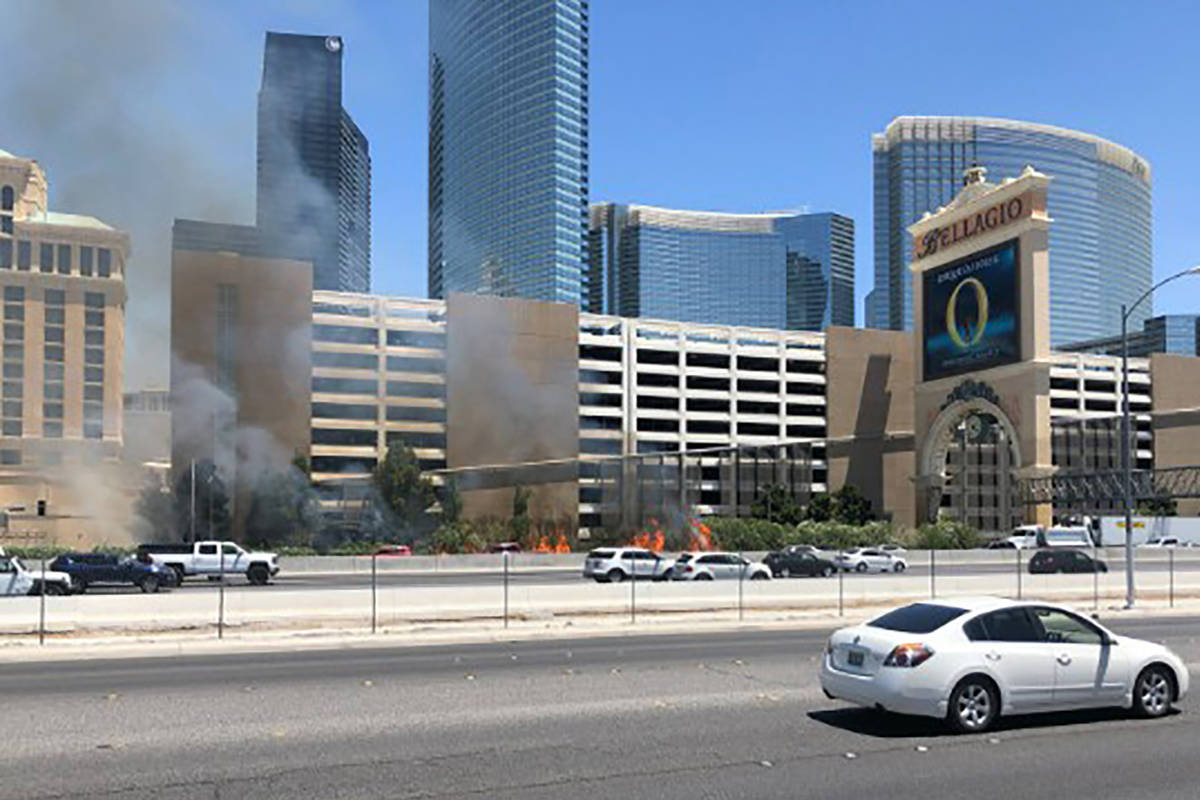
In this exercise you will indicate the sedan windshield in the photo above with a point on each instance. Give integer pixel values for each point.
(917, 618)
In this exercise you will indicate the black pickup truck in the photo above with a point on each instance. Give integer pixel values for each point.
(93, 569)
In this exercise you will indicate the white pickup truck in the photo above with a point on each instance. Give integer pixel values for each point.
(16, 579)
(201, 558)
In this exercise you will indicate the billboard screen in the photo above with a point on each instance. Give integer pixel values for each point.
(972, 313)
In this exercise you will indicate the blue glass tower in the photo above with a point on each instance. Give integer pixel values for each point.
(314, 164)
(766, 270)
(508, 147)
(1099, 199)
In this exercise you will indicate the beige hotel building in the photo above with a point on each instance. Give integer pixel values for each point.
(62, 280)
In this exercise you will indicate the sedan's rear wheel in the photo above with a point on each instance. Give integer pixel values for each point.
(785, 573)
(974, 705)
(898, 568)
(861, 567)
(1153, 692)
(704, 576)
(149, 584)
(759, 576)
(826, 572)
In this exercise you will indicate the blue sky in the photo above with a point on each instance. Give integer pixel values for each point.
(700, 104)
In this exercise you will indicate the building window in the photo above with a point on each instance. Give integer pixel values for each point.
(85, 261)
(46, 257)
(90, 299)
(10, 458)
(53, 429)
(52, 410)
(10, 427)
(64, 259)
(24, 255)
(6, 224)
(5, 254)
(104, 262)
(93, 369)
(7, 198)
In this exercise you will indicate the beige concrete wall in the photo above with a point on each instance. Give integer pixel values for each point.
(1175, 397)
(512, 388)
(264, 420)
(869, 399)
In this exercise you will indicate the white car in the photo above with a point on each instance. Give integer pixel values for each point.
(616, 564)
(869, 559)
(718, 566)
(16, 579)
(1162, 543)
(970, 660)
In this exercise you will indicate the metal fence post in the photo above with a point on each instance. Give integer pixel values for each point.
(1171, 568)
(505, 556)
(932, 572)
(1017, 553)
(741, 580)
(42, 605)
(841, 573)
(632, 591)
(221, 591)
(374, 602)
(1095, 578)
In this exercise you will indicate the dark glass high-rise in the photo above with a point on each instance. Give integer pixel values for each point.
(314, 164)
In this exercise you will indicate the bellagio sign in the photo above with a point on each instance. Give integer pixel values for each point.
(989, 219)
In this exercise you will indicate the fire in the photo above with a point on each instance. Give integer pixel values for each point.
(559, 545)
(700, 537)
(655, 540)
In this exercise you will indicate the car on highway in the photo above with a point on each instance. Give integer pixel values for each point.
(616, 564)
(98, 569)
(201, 558)
(709, 566)
(393, 550)
(797, 560)
(505, 547)
(971, 660)
(1001, 544)
(869, 559)
(1046, 562)
(17, 579)
(1161, 542)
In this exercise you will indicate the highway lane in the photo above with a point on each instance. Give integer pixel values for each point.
(715, 716)
(398, 578)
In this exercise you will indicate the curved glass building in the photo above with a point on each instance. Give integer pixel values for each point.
(1099, 199)
(791, 271)
(508, 147)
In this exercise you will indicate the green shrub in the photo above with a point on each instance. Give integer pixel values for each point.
(947, 534)
(746, 534)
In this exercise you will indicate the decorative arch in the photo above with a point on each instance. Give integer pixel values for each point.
(941, 434)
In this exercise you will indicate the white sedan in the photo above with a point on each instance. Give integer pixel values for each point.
(969, 660)
(698, 566)
(869, 559)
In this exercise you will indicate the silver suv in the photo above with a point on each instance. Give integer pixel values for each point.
(616, 564)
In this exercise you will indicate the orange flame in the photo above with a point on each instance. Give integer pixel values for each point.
(559, 545)
(651, 541)
(700, 537)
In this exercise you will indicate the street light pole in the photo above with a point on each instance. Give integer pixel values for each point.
(1126, 432)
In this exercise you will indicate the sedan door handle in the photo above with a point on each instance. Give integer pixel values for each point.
(992, 656)
(1064, 659)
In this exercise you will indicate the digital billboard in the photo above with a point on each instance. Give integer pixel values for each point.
(972, 313)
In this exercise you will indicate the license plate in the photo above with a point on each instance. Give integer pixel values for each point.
(854, 658)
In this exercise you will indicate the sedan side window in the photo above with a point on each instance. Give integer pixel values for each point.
(1063, 628)
(1010, 625)
(6, 565)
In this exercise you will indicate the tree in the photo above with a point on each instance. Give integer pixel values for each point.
(154, 513)
(284, 510)
(820, 508)
(1162, 505)
(851, 507)
(776, 503)
(402, 488)
(522, 523)
(206, 514)
(451, 503)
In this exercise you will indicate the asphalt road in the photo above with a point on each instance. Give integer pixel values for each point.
(699, 716)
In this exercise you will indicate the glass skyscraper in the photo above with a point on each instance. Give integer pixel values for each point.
(314, 164)
(508, 147)
(1178, 334)
(1099, 199)
(766, 270)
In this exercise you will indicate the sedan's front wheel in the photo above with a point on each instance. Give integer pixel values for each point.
(826, 572)
(974, 705)
(898, 568)
(1153, 692)
(861, 567)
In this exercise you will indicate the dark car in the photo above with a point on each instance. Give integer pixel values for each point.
(1064, 560)
(797, 560)
(95, 569)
